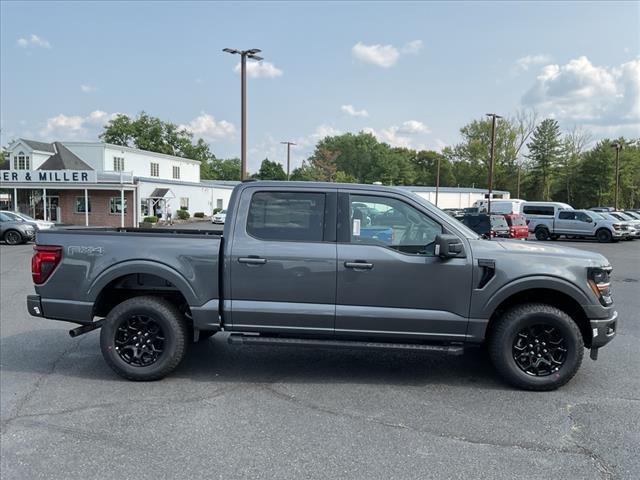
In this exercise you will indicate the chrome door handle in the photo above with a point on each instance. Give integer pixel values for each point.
(252, 260)
(358, 265)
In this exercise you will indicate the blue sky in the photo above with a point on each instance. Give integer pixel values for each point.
(411, 73)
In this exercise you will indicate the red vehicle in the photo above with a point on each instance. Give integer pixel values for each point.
(517, 225)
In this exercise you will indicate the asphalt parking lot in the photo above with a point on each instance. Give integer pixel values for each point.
(258, 412)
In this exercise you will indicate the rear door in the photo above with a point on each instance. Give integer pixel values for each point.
(283, 261)
(390, 282)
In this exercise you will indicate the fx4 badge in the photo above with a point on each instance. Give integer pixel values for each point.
(85, 250)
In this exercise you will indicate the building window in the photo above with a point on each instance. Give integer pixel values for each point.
(155, 169)
(184, 203)
(21, 162)
(115, 205)
(118, 164)
(219, 203)
(80, 205)
(176, 172)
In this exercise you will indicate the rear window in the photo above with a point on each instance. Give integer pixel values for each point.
(538, 210)
(287, 216)
(567, 215)
(516, 221)
(498, 222)
(477, 223)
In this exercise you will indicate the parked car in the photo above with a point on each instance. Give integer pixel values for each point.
(37, 224)
(295, 269)
(219, 217)
(536, 212)
(488, 226)
(583, 224)
(517, 226)
(602, 209)
(633, 214)
(457, 213)
(629, 219)
(13, 231)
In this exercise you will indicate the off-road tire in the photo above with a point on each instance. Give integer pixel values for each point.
(502, 337)
(173, 327)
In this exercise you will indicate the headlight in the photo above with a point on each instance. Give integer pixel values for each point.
(599, 279)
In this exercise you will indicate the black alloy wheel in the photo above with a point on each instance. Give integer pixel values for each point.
(139, 340)
(539, 350)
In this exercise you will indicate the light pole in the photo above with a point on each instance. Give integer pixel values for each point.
(437, 180)
(494, 117)
(244, 54)
(288, 144)
(618, 147)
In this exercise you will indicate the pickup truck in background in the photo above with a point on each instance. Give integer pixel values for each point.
(327, 265)
(580, 223)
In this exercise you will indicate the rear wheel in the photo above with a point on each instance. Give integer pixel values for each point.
(144, 338)
(542, 234)
(13, 237)
(536, 347)
(604, 236)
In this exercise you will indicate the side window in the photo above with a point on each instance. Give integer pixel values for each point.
(287, 216)
(583, 217)
(567, 215)
(392, 223)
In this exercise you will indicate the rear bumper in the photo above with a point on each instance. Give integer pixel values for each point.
(603, 330)
(65, 310)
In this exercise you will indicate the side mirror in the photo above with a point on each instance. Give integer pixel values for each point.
(449, 246)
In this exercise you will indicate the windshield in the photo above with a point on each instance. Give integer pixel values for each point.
(634, 215)
(13, 216)
(623, 216)
(26, 217)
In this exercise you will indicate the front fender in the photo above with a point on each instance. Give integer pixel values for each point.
(488, 306)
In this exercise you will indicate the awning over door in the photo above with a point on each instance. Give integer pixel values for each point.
(159, 193)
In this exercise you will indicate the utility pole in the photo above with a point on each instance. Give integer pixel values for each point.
(494, 117)
(288, 144)
(437, 180)
(618, 147)
(244, 54)
(519, 168)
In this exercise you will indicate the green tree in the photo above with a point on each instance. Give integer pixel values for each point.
(225, 169)
(270, 171)
(426, 169)
(545, 149)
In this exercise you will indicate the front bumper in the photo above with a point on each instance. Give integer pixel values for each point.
(603, 330)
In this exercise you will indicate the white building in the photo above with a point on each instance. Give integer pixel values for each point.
(457, 197)
(87, 183)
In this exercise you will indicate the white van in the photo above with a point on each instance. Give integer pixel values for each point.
(512, 205)
(537, 212)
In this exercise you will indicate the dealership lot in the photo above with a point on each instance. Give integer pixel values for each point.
(264, 412)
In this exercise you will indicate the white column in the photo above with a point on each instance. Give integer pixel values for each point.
(15, 199)
(121, 207)
(86, 208)
(44, 202)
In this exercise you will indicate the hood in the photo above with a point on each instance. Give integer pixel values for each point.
(538, 249)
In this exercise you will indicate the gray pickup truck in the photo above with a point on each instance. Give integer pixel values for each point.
(327, 265)
(581, 224)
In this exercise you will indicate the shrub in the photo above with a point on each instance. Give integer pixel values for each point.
(183, 214)
(184, 208)
(216, 210)
(150, 219)
(198, 215)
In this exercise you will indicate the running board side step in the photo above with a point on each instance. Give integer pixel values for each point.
(239, 339)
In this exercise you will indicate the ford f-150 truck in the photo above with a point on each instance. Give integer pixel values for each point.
(327, 265)
(580, 223)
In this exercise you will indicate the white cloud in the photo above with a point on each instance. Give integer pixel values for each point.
(404, 135)
(33, 40)
(75, 127)
(350, 110)
(524, 63)
(260, 70)
(207, 127)
(412, 47)
(87, 88)
(583, 93)
(414, 126)
(384, 56)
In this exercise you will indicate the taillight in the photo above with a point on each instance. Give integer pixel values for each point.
(44, 261)
(492, 233)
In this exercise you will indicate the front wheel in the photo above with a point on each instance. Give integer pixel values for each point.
(604, 236)
(12, 237)
(144, 338)
(536, 347)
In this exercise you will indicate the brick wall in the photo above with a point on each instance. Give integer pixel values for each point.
(99, 214)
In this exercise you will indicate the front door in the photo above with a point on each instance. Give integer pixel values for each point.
(391, 284)
(283, 262)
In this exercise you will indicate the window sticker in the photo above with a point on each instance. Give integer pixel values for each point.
(356, 227)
